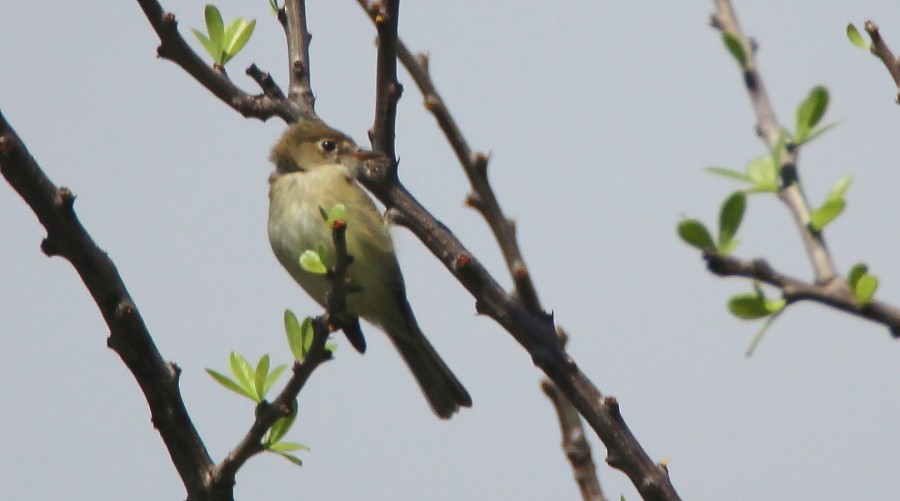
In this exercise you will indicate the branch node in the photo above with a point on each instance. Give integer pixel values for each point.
(612, 403)
(480, 163)
(396, 217)
(432, 102)
(64, 199)
(462, 262)
(422, 59)
(49, 247)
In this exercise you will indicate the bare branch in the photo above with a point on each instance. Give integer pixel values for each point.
(387, 87)
(794, 289)
(293, 18)
(128, 337)
(881, 50)
(769, 129)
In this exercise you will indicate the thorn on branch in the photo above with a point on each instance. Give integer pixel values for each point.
(462, 262)
(395, 217)
(480, 164)
(474, 201)
(612, 403)
(64, 199)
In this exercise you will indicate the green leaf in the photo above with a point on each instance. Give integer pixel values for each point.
(323, 256)
(210, 47)
(810, 112)
(855, 37)
(826, 213)
(274, 5)
(840, 188)
(763, 172)
(337, 213)
(331, 348)
(323, 213)
(281, 426)
(730, 219)
(759, 335)
(865, 288)
(237, 36)
(731, 174)
(214, 25)
(287, 447)
(244, 374)
(290, 457)
(260, 375)
(735, 47)
(228, 383)
(312, 263)
(694, 233)
(858, 270)
(748, 306)
(818, 131)
(308, 333)
(728, 247)
(774, 305)
(272, 377)
(294, 332)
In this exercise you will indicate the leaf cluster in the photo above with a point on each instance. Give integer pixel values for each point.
(222, 42)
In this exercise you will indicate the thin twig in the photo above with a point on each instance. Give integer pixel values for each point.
(267, 414)
(387, 87)
(794, 289)
(483, 199)
(575, 444)
(881, 50)
(769, 129)
(128, 336)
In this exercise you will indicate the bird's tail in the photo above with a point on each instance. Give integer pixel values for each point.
(443, 390)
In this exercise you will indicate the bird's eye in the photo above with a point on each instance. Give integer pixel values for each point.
(328, 145)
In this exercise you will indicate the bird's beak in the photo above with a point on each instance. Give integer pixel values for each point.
(367, 155)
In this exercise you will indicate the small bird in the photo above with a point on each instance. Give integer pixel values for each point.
(315, 166)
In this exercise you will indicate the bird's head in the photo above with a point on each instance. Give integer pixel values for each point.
(307, 145)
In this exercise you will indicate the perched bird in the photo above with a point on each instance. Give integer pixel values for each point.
(315, 167)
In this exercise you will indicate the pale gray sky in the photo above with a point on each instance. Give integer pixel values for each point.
(600, 117)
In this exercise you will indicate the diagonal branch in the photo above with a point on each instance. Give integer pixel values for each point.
(533, 330)
(128, 336)
(793, 289)
(483, 199)
(770, 130)
(881, 50)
